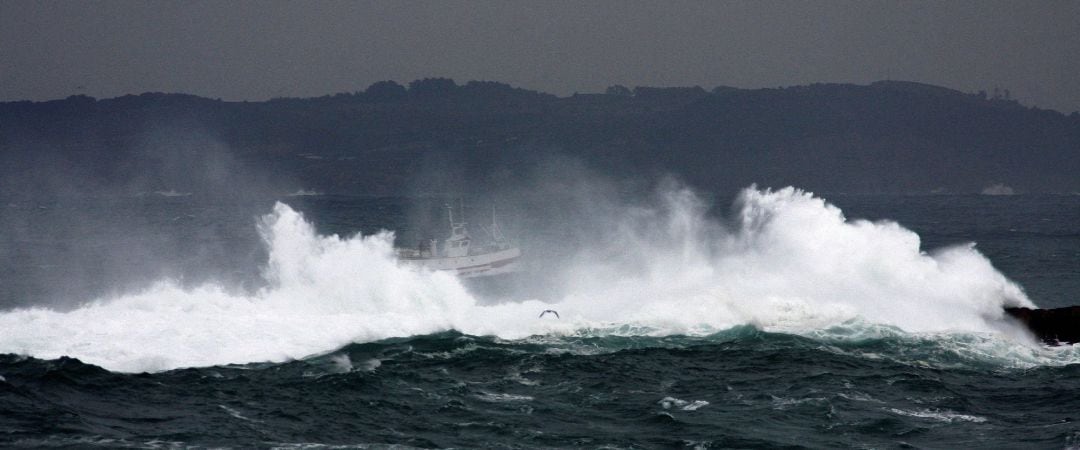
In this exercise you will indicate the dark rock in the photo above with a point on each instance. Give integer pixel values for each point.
(1053, 326)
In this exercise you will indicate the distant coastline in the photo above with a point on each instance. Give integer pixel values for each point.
(434, 135)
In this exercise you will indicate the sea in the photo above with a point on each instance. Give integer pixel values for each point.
(765, 318)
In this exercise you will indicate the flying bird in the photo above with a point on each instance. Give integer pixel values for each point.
(550, 311)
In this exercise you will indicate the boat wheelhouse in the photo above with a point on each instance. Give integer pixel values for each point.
(459, 253)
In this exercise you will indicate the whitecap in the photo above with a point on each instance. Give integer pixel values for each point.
(787, 262)
(937, 415)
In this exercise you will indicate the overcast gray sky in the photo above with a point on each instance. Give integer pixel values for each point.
(255, 50)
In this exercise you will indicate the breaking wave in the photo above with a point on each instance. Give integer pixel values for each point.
(786, 261)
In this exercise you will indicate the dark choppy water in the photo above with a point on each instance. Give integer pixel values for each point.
(740, 388)
(633, 384)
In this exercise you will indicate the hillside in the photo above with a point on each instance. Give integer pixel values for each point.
(433, 135)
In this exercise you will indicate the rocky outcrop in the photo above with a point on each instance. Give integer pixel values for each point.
(1053, 326)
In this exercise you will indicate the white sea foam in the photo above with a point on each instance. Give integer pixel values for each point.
(998, 189)
(496, 397)
(669, 402)
(236, 414)
(342, 363)
(937, 415)
(788, 261)
(325, 292)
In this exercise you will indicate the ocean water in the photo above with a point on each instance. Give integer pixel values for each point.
(777, 318)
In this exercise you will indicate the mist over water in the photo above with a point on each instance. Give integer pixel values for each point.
(782, 261)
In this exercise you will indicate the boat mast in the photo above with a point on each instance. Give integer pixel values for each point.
(496, 231)
(450, 213)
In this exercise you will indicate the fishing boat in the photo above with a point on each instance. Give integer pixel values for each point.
(460, 255)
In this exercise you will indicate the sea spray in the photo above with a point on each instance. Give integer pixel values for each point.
(793, 249)
(325, 292)
(785, 261)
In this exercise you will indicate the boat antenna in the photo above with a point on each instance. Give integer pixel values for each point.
(450, 211)
(496, 231)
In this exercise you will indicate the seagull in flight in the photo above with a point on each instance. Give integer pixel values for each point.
(550, 311)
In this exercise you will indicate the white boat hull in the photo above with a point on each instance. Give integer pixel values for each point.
(485, 264)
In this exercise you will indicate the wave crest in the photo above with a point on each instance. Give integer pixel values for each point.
(787, 262)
